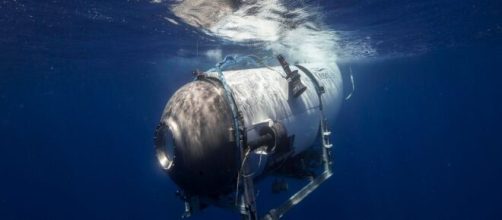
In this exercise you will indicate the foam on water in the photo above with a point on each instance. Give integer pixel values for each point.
(291, 28)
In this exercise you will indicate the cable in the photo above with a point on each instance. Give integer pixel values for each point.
(239, 174)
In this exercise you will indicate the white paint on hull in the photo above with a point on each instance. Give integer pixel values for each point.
(262, 94)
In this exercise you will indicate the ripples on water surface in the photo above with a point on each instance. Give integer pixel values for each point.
(347, 29)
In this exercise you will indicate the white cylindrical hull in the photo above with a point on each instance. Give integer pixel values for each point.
(262, 95)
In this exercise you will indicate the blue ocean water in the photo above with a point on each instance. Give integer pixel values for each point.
(83, 84)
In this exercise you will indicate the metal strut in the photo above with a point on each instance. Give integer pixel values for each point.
(248, 201)
(325, 133)
(278, 212)
(324, 129)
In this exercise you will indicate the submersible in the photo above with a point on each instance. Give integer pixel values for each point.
(222, 133)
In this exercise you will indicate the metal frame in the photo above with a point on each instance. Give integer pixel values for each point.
(245, 197)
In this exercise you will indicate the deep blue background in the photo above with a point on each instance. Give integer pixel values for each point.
(82, 86)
